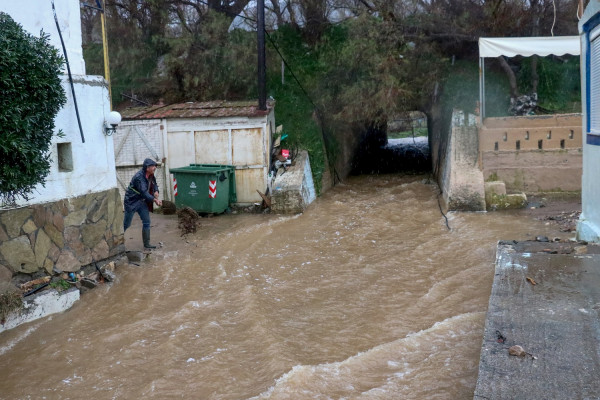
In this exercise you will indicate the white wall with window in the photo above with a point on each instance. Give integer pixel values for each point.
(588, 227)
(77, 167)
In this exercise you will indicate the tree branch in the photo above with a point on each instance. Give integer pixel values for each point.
(512, 80)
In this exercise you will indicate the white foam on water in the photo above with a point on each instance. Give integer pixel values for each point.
(12, 343)
(67, 381)
(372, 373)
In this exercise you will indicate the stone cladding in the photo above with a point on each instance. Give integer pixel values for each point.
(61, 236)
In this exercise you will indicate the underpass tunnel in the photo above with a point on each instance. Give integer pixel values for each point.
(401, 145)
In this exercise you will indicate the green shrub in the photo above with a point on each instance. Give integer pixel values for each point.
(32, 95)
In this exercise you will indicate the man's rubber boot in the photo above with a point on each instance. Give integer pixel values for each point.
(146, 238)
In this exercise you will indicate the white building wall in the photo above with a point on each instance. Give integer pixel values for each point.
(588, 228)
(93, 161)
(36, 15)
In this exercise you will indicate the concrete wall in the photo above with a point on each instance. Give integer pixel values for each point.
(532, 153)
(460, 179)
(36, 15)
(589, 224)
(294, 190)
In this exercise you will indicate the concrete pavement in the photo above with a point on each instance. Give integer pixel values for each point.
(546, 299)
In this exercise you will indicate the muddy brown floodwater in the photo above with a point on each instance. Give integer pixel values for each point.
(367, 295)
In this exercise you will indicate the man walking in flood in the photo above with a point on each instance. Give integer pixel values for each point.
(140, 196)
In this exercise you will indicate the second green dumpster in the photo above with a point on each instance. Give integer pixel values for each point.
(206, 188)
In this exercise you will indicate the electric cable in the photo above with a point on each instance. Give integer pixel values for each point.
(554, 21)
(325, 136)
(442, 211)
(69, 73)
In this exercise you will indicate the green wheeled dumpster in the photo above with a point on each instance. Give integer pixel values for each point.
(206, 188)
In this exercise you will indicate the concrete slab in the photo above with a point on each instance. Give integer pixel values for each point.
(555, 320)
(41, 305)
(294, 189)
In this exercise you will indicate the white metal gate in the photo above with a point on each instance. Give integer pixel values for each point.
(134, 142)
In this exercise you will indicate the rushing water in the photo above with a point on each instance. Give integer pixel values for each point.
(367, 295)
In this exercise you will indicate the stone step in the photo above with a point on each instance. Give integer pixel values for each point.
(496, 197)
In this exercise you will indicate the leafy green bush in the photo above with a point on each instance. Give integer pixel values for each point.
(32, 95)
(559, 88)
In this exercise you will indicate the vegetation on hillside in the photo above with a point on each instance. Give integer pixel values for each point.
(350, 65)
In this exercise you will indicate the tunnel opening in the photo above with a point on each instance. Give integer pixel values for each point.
(401, 145)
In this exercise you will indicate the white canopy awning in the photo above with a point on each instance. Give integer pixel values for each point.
(528, 46)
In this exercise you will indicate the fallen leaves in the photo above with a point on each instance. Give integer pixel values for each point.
(519, 351)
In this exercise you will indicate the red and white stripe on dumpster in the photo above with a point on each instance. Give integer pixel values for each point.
(174, 187)
(212, 189)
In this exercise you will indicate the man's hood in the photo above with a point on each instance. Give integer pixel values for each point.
(147, 163)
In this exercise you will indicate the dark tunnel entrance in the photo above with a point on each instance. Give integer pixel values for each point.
(401, 145)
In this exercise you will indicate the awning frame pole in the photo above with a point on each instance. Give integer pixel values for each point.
(482, 88)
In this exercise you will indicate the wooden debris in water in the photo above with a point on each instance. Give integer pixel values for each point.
(266, 199)
(30, 284)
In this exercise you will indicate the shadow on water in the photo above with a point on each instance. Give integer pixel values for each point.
(408, 155)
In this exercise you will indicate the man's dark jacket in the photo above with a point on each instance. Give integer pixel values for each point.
(137, 194)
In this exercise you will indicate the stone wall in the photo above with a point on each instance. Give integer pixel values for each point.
(61, 236)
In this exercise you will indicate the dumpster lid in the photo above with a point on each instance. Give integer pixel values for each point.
(203, 168)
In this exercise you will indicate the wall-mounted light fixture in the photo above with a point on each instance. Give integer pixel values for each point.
(110, 125)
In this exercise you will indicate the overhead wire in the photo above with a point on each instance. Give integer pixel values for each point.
(68, 72)
(326, 138)
(554, 21)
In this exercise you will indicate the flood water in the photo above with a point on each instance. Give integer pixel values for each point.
(367, 295)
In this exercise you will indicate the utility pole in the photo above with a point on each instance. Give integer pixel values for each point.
(105, 50)
(262, 71)
(101, 6)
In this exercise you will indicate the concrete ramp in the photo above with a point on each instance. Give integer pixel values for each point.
(546, 299)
